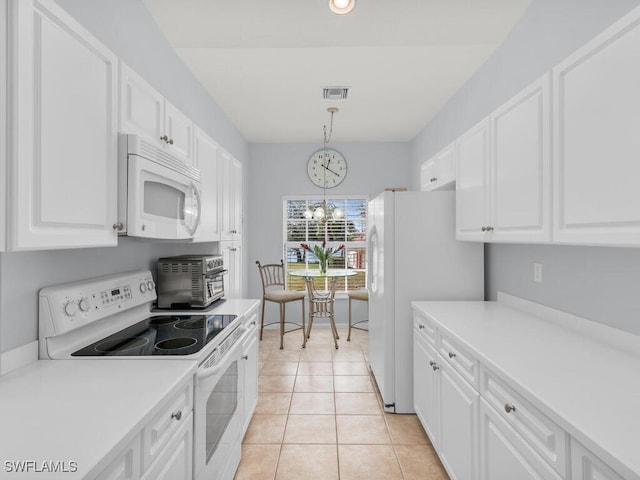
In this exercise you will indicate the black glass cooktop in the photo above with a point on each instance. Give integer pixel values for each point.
(160, 335)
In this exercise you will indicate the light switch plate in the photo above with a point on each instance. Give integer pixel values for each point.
(537, 272)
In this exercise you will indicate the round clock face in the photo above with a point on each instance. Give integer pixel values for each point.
(327, 168)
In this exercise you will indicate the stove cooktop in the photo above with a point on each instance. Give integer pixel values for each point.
(160, 335)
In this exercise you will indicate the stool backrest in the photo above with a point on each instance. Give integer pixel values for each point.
(272, 275)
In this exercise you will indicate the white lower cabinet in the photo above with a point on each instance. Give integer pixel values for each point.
(250, 368)
(175, 462)
(424, 381)
(458, 445)
(163, 448)
(586, 466)
(504, 455)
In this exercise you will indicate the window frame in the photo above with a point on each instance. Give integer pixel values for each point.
(340, 292)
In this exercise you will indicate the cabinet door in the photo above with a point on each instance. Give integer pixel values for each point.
(232, 258)
(206, 158)
(428, 175)
(586, 466)
(472, 177)
(596, 119)
(64, 148)
(231, 197)
(176, 461)
(141, 107)
(425, 392)
(179, 130)
(458, 424)
(521, 168)
(504, 455)
(250, 372)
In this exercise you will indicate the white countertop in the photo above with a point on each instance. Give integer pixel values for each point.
(583, 375)
(79, 410)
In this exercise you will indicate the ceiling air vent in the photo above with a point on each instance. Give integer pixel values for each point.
(335, 93)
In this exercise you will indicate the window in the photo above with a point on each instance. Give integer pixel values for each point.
(350, 230)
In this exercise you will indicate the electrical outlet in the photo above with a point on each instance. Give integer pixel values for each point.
(537, 272)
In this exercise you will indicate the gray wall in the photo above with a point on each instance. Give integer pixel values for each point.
(281, 169)
(129, 31)
(597, 283)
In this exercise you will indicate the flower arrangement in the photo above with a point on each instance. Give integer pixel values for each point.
(322, 253)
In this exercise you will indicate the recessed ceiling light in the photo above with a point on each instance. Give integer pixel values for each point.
(341, 7)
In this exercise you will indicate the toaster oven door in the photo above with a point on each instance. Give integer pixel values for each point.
(214, 285)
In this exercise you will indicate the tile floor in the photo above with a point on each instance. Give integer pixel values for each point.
(319, 417)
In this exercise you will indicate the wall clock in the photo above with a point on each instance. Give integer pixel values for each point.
(327, 168)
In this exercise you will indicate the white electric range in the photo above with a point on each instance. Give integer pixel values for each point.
(113, 317)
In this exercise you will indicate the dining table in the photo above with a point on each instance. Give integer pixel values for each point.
(322, 300)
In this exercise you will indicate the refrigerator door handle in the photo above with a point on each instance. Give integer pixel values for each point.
(373, 264)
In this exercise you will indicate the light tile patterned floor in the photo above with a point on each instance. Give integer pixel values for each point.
(319, 416)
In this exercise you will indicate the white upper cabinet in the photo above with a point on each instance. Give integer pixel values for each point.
(231, 197)
(521, 167)
(472, 179)
(63, 132)
(439, 171)
(207, 159)
(597, 139)
(144, 111)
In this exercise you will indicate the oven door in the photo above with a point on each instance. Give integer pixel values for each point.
(161, 202)
(218, 415)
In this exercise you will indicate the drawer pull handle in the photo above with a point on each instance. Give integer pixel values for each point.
(509, 408)
(245, 357)
(432, 363)
(435, 367)
(452, 354)
(164, 138)
(177, 415)
(420, 326)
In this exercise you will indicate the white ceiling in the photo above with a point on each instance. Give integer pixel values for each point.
(265, 61)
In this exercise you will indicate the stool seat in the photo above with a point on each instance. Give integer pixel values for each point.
(359, 295)
(362, 295)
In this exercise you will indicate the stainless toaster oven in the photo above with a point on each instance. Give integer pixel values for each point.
(190, 281)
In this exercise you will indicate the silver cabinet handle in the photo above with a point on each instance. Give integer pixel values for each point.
(164, 138)
(434, 179)
(452, 354)
(489, 229)
(435, 367)
(170, 141)
(432, 363)
(484, 229)
(420, 326)
(245, 357)
(118, 226)
(177, 415)
(509, 408)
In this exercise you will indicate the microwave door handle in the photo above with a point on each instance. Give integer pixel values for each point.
(192, 231)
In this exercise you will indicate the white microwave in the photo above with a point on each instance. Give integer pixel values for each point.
(158, 194)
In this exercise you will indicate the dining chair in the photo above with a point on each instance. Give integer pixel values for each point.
(363, 296)
(273, 290)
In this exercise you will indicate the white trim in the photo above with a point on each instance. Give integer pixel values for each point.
(18, 357)
(626, 341)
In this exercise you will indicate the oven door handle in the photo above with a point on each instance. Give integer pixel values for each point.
(204, 372)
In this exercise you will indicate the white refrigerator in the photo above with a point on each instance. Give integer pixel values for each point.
(413, 255)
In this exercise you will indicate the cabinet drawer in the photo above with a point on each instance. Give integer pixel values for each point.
(460, 359)
(544, 435)
(165, 423)
(425, 327)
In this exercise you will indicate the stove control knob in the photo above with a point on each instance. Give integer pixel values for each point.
(150, 285)
(70, 308)
(143, 287)
(84, 304)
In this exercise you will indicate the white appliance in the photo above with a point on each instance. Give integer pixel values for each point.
(112, 317)
(158, 194)
(413, 255)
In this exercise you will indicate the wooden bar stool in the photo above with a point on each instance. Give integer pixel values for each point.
(361, 295)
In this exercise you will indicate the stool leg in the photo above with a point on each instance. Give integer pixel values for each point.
(349, 334)
(304, 332)
(281, 325)
(262, 319)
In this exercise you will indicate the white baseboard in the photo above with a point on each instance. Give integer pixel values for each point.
(18, 357)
